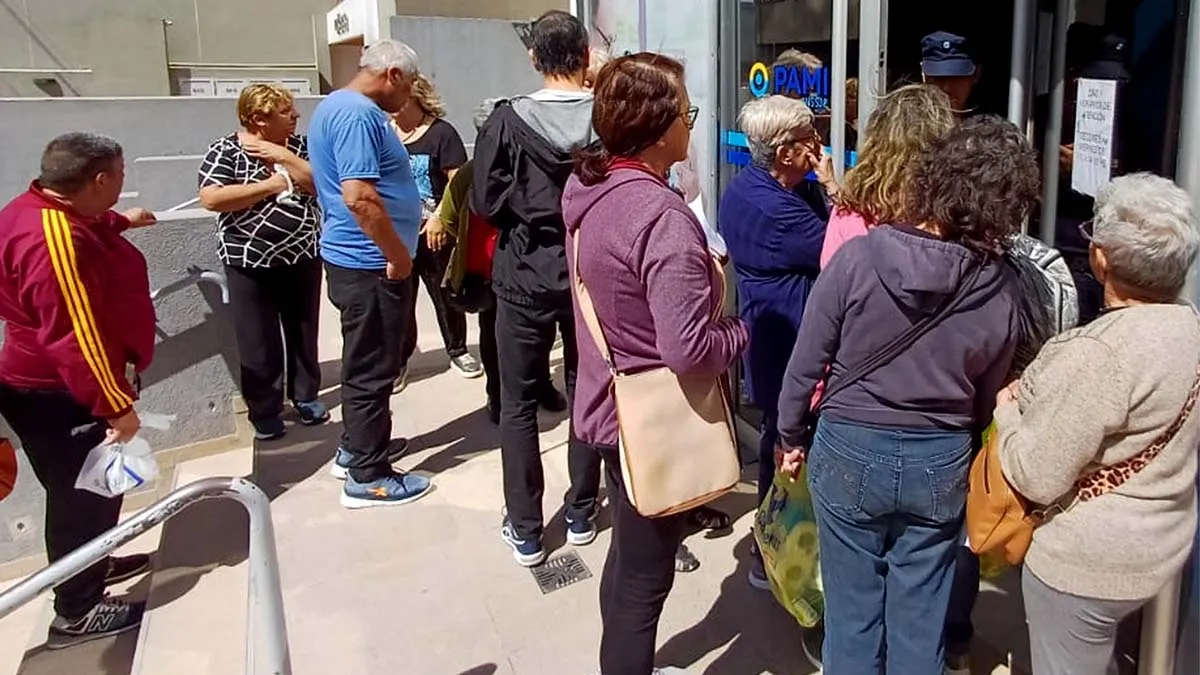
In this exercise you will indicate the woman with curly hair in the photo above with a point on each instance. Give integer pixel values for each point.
(915, 327)
(904, 125)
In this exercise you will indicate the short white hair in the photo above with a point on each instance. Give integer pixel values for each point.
(597, 59)
(387, 54)
(1146, 226)
(771, 122)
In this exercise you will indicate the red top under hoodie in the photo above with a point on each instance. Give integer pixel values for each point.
(75, 298)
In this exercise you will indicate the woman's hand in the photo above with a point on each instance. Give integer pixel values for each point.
(435, 233)
(823, 166)
(267, 151)
(1009, 393)
(789, 460)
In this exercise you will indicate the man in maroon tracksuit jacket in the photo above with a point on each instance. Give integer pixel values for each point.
(75, 300)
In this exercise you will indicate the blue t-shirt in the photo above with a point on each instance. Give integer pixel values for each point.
(349, 138)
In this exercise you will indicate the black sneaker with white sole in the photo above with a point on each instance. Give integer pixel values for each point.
(110, 617)
(467, 366)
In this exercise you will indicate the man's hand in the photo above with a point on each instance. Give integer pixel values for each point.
(122, 429)
(266, 151)
(1066, 158)
(399, 271)
(435, 233)
(139, 217)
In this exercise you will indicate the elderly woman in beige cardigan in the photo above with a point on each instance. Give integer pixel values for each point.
(1098, 397)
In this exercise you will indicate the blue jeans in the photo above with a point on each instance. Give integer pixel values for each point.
(890, 505)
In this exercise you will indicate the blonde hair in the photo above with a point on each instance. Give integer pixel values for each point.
(770, 122)
(261, 99)
(597, 59)
(426, 96)
(904, 124)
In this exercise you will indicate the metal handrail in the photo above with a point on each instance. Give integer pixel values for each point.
(266, 636)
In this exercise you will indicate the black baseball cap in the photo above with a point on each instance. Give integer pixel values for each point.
(1110, 61)
(945, 55)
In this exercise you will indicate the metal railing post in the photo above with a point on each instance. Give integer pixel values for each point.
(1022, 48)
(872, 61)
(1160, 617)
(1050, 148)
(267, 650)
(837, 85)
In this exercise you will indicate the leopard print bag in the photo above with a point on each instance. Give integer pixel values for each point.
(1109, 478)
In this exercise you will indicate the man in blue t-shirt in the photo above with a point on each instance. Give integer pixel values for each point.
(371, 215)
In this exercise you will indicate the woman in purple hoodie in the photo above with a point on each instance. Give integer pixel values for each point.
(888, 465)
(656, 290)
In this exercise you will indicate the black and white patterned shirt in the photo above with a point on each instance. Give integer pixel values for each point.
(268, 234)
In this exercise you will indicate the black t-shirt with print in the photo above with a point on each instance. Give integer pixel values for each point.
(269, 233)
(439, 150)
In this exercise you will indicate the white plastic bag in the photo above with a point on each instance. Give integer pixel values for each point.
(111, 470)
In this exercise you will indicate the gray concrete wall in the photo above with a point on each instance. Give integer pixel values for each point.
(194, 372)
(171, 131)
(468, 60)
(142, 47)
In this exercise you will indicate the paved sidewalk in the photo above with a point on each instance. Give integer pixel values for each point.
(429, 588)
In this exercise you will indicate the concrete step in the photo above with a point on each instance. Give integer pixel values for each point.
(196, 620)
(23, 633)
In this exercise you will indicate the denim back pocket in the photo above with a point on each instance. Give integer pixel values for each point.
(948, 485)
(836, 477)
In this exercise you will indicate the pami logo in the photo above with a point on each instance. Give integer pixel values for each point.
(809, 84)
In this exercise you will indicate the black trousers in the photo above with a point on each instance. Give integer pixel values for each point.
(488, 354)
(638, 575)
(57, 433)
(264, 300)
(430, 267)
(375, 315)
(525, 339)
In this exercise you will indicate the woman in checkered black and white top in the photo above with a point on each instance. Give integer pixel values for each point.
(258, 179)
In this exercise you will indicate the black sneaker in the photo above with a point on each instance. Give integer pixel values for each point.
(110, 617)
(125, 568)
(493, 411)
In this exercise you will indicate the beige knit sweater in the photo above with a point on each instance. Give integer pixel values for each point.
(1095, 396)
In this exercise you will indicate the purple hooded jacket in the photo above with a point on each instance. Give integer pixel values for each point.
(645, 261)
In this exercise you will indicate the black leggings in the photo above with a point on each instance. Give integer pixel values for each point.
(638, 575)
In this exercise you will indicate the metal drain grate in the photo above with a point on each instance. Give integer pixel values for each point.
(560, 572)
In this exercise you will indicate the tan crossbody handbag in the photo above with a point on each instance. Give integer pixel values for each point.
(677, 444)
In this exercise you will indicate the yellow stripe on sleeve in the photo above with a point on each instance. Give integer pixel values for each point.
(66, 269)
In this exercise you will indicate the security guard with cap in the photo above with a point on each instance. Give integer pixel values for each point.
(946, 63)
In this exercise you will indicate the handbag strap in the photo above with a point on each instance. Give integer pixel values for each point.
(1109, 478)
(907, 339)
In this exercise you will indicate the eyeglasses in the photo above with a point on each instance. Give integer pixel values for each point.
(690, 117)
(1087, 230)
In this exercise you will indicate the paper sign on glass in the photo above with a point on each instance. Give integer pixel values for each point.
(1095, 118)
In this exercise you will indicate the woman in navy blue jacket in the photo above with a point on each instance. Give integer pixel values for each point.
(774, 239)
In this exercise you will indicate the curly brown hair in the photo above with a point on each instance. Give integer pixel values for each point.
(977, 185)
(906, 122)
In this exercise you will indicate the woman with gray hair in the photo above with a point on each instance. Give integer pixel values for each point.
(1100, 428)
(774, 239)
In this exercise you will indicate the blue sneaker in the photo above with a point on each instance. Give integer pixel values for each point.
(311, 413)
(582, 531)
(394, 490)
(269, 429)
(527, 552)
(341, 461)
